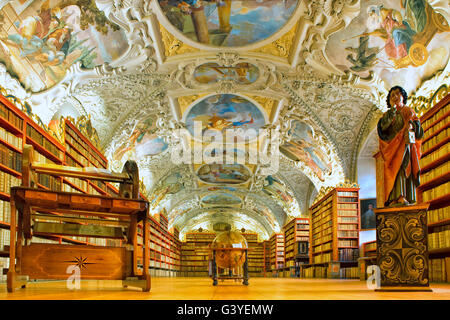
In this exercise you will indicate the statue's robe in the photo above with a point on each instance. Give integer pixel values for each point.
(401, 159)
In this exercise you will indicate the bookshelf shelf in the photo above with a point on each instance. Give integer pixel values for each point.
(435, 147)
(10, 146)
(435, 182)
(10, 171)
(435, 163)
(446, 126)
(439, 223)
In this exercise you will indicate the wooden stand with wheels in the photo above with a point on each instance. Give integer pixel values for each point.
(231, 275)
(55, 213)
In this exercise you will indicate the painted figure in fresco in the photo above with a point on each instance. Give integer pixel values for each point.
(406, 37)
(400, 134)
(396, 32)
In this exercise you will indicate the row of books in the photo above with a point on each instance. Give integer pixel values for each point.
(436, 192)
(437, 172)
(440, 238)
(322, 258)
(347, 206)
(346, 227)
(437, 154)
(7, 181)
(37, 137)
(5, 211)
(7, 136)
(438, 115)
(51, 182)
(349, 273)
(73, 138)
(75, 155)
(67, 188)
(444, 134)
(437, 215)
(163, 265)
(439, 270)
(82, 184)
(347, 194)
(5, 238)
(348, 213)
(348, 233)
(163, 273)
(323, 239)
(348, 199)
(322, 247)
(370, 246)
(348, 254)
(11, 159)
(347, 243)
(435, 128)
(11, 117)
(347, 219)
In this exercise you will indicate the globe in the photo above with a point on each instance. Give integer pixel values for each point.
(227, 258)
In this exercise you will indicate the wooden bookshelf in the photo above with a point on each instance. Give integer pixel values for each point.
(435, 187)
(334, 233)
(164, 248)
(277, 254)
(266, 252)
(296, 245)
(195, 254)
(255, 255)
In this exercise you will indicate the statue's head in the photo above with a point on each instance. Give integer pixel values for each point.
(396, 91)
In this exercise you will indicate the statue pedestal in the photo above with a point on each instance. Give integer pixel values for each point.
(402, 248)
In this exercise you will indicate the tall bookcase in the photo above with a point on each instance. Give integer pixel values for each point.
(296, 245)
(266, 252)
(255, 255)
(435, 187)
(195, 254)
(164, 248)
(334, 234)
(277, 254)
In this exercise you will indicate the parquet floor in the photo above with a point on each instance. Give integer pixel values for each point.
(202, 289)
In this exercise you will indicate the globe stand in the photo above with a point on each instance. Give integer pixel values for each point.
(230, 275)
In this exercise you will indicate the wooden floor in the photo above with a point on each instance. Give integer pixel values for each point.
(202, 288)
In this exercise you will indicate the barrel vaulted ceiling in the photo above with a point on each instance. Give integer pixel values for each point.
(312, 73)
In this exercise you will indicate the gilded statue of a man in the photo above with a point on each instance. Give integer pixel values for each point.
(400, 134)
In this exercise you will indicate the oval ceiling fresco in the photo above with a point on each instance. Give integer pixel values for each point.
(228, 23)
(221, 198)
(223, 173)
(302, 147)
(242, 73)
(221, 112)
(40, 40)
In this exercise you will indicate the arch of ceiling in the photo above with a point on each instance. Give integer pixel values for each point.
(299, 80)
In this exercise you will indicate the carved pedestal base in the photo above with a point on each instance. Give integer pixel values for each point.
(402, 252)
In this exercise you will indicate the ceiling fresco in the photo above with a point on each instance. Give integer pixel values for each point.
(41, 40)
(404, 42)
(228, 23)
(309, 77)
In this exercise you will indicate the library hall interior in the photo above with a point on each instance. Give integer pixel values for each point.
(224, 150)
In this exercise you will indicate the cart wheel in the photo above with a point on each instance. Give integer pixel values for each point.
(418, 54)
(245, 282)
(215, 282)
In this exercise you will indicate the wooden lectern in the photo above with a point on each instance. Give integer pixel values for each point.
(57, 213)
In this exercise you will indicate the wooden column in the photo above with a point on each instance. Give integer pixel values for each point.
(402, 248)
